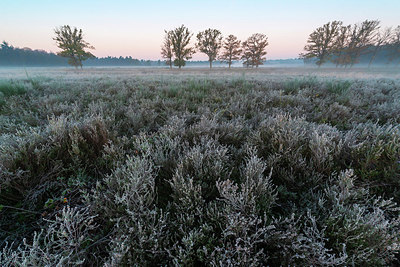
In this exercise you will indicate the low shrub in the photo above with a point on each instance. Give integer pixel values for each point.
(182, 170)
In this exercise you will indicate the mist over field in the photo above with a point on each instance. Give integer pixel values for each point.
(272, 72)
(200, 133)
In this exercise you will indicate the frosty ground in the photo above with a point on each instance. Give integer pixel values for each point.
(268, 166)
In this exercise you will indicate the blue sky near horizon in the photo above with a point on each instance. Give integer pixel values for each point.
(136, 28)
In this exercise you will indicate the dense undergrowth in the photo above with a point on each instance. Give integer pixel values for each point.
(185, 171)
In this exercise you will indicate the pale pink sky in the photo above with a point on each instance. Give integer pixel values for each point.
(136, 28)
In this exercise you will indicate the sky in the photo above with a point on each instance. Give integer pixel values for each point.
(136, 28)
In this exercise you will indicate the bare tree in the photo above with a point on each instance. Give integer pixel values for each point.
(321, 42)
(180, 38)
(254, 50)
(166, 48)
(232, 50)
(209, 42)
(382, 38)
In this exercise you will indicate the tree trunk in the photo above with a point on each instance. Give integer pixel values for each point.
(373, 57)
(338, 59)
(229, 64)
(210, 64)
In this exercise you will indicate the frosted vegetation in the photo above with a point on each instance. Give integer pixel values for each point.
(197, 169)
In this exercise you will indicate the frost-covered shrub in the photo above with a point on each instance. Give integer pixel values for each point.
(246, 208)
(199, 171)
(32, 160)
(255, 193)
(231, 132)
(376, 157)
(359, 224)
(299, 152)
(65, 242)
(126, 200)
(39, 168)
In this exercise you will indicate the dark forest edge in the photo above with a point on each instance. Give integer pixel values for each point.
(11, 56)
(15, 56)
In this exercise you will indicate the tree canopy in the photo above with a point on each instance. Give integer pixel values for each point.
(232, 50)
(180, 38)
(347, 45)
(167, 48)
(254, 50)
(321, 42)
(209, 42)
(72, 45)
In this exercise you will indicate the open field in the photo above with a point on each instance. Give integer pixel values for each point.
(269, 166)
(262, 73)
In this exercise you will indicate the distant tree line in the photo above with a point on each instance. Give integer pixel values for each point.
(14, 56)
(122, 61)
(334, 43)
(176, 49)
(347, 45)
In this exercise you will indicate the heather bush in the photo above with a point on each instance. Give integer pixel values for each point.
(358, 223)
(42, 167)
(64, 242)
(199, 171)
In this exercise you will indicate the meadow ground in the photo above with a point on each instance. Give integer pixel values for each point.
(260, 73)
(137, 166)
